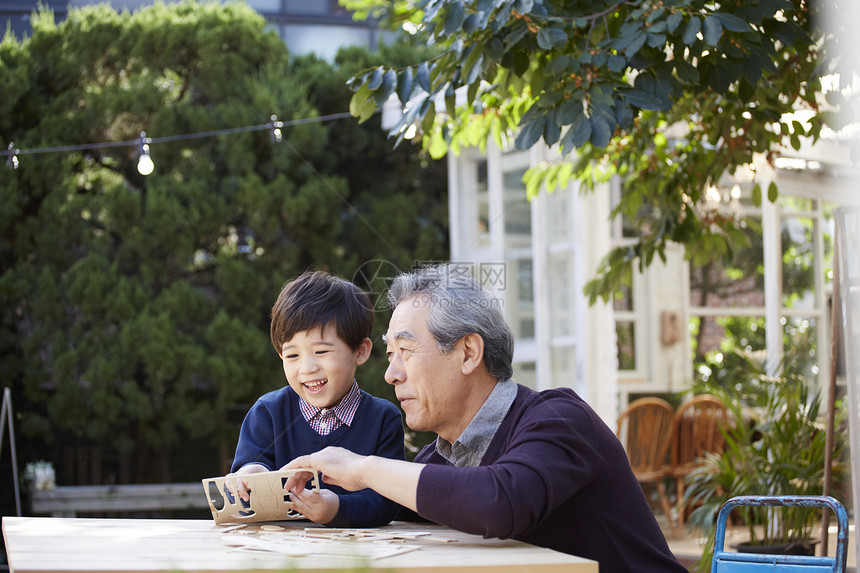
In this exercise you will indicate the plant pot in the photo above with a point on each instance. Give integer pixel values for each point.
(795, 547)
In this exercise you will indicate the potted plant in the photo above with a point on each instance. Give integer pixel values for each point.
(775, 445)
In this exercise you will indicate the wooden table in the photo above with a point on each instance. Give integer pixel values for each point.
(43, 544)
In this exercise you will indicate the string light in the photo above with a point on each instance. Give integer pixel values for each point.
(275, 126)
(277, 136)
(12, 153)
(145, 164)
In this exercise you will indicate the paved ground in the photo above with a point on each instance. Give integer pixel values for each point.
(688, 549)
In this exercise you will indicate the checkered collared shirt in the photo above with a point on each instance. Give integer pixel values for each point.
(324, 421)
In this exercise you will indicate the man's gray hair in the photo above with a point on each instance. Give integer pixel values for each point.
(458, 305)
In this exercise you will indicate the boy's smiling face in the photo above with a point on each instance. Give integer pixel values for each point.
(320, 366)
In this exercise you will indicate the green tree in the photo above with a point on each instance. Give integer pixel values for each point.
(398, 203)
(135, 309)
(669, 94)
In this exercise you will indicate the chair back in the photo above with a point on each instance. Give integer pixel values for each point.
(697, 429)
(732, 562)
(644, 429)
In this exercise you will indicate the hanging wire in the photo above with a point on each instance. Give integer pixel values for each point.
(275, 126)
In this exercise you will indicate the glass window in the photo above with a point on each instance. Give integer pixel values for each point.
(828, 227)
(801, 346)
(631, 228)
(805, 253)
(562, 295)
(736, 284)
(316, 7)
(517, 225)
(630, 224)
(519, 297)
(324, 40)
(625, 227)
(560, 214)
(798, 263)
(714, 336)
(563, 367)
(525, 374)
(726, 346)
(525, 284)
(625, 333)
(740, 198)
(473, 221)
(623, 301)
(481, 220)
(265, 5)
(517, 211)
(791, 204)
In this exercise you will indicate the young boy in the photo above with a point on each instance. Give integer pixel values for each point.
(320, 328)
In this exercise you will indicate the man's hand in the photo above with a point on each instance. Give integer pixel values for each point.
(240, 486)
(320, 506)
(395, 479)
(336, 466)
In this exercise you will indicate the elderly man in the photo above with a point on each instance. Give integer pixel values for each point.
(540, 467)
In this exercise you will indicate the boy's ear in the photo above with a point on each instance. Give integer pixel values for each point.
(362, 353)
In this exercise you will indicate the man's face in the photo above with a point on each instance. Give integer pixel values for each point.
(428, 384)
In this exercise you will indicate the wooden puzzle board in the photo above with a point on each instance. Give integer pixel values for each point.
(365, 544)
(269, 501)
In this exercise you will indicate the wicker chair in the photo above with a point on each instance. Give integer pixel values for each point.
(644, 429)
(697, 429)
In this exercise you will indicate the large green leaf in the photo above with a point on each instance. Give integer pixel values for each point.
(530, 132)
(404, 85)
(732, 22)
(691, 30)
(551, 38)
(712, 29)
(454, 17)
(422, 76)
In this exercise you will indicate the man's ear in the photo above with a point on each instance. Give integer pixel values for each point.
(362, 353)
(473, 352)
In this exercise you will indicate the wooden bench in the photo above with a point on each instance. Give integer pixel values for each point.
(67, 501)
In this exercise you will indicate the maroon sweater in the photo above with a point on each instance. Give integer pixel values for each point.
(556, 476)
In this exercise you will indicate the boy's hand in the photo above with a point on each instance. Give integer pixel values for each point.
(320, 506)
(240, 486)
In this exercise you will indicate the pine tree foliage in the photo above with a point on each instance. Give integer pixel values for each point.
(135, 308)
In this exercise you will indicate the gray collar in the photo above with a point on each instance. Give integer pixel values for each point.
(469, 449)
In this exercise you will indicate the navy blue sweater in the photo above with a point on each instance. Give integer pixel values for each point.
(556, 476)
(274, 432)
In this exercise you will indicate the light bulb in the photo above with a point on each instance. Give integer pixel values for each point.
(277, 134)
(144, 162)
(12, 156)
(736, 192)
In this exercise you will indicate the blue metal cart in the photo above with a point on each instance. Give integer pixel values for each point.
(730, 562)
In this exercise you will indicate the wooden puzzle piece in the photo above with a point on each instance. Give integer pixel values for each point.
(287, 545)
(269, 501)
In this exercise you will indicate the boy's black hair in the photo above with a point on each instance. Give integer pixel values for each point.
(318, 299)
